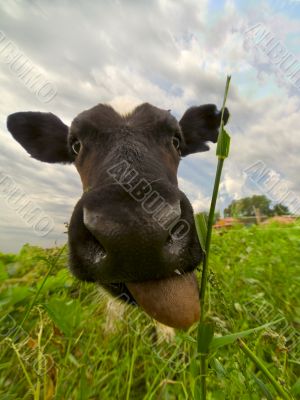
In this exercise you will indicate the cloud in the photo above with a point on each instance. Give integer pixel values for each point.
(199, 201)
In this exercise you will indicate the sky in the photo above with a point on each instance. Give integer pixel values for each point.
(170, 54)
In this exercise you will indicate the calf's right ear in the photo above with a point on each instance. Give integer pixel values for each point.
(200, 125)
(43, 135)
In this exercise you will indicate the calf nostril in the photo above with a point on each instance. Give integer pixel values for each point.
(91, 219)
(172, 246)
(99, 253)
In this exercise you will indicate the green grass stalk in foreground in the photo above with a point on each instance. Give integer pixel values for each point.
(222, 153)
(52, 264)
(279, 389)
(205, 337)
(205, 331)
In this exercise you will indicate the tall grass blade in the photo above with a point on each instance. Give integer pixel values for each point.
(296, 388)
(197, 392)
(201, 227)
(205, 336)
(223, 144)
(31, 305)
(221, 341)
(263, 387)
(259, 364)
(205, 333)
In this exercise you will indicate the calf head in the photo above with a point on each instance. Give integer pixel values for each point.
(132, 231)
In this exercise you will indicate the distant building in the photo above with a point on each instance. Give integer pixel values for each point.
(248, 221)
(226, 222)
(282, 219)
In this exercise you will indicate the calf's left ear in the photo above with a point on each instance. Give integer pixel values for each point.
(43, 135)
(200, 125)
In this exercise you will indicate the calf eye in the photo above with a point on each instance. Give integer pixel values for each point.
(176, 143)
(76, 146)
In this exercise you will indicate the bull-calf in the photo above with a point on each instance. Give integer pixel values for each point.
(132, 231)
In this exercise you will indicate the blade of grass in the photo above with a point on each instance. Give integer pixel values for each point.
(206, 332)
(263, 387)
(222, 152)
(218, 342)
(22, 366)
(279, 389)
(228, 339)
(208, 238)
(152, 389)
(31, 305)
(52, 265)
(133, 357)
(201, 227)
(223, 145)
(39, 360)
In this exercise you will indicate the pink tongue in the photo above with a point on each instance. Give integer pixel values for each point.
(171, 301)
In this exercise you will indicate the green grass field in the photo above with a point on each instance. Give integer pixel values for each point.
(58, 341)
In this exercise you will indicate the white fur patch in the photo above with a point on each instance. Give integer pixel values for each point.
(125, 104)
(164, 333)
(114, 313)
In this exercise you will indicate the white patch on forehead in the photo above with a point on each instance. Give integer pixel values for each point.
(125, 104)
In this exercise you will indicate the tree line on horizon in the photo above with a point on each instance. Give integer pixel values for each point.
(250, 206)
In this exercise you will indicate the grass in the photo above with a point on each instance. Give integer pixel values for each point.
(204, 231)
(69, 346)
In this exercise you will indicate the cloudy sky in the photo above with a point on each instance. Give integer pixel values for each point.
(171, 54)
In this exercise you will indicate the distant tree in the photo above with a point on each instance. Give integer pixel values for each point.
(280, 209)
(246, 206)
